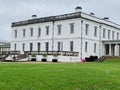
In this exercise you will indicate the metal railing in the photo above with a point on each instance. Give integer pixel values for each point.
(63, 53)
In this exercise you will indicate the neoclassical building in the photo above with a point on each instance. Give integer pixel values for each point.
(4, 47)
(74, 35)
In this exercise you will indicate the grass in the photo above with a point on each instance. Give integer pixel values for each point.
(60, 76)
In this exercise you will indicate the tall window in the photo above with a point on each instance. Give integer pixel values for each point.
(15, 33)
(71, 45)
(39, 44)
(47, 46)
(39, 31)
(72, 28)
(31, 46)
(15, 47)
(86, 46)
(23, 46)
(59, 29)
(86, 29)
(47, 30)
(108, 34)
(118, 35)
(95, 31)
(104, 32)
(60, 46)
(95, 47)
(113, 34)
(24, 32)
(31, 32)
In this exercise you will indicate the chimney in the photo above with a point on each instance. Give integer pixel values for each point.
(34, 16)
(78, 9)
(92, 14)
(106, 18)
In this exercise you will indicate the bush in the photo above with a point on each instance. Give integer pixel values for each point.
(54, 60)
(91, 58)
(44, 60)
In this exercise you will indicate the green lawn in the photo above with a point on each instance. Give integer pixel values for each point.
(60, 76)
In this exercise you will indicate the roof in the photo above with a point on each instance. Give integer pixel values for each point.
(65, 17)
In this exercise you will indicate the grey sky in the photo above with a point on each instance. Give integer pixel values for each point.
(16, 10)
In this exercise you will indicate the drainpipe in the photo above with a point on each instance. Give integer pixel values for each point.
(100, 42)
(81, 38)
(53, 34)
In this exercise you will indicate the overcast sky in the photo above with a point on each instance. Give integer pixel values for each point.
(17, 10)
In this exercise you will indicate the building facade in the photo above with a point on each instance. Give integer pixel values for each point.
(4, 47)
(77, 32)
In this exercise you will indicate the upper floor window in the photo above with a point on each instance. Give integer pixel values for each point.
(39, 31)
(86, 29)
(72, 28)
(47, 30)
(108, 34)
(59, 29)
(95, 31)
(118, 35)
(31, 32)
(15, 33)
(113, 34)
(24, 32)
(104, 32)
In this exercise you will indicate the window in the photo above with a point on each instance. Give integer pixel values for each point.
(118, 36)
(24, 31)
(31, 32)
(23, 46)
(39, 44)
(108, 34)
(104, 32)
(72, 28)
(86, 29)
(47, 46)
(60, 46)
(47, 30)
(113, 34)
(95, 31)
(39, 31)
(15, 33)
(86, 46)
(95, 45)
(31, 47)
(59, 29)
(71, 45)
(15, 46)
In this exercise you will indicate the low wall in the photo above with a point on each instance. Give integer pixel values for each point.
(60, 58)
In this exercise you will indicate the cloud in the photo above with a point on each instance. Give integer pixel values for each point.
(16, 10)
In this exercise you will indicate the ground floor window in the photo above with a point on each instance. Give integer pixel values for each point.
(86, 46)
(39, 44)
(23, 46)
(31, 46)
(47, 46)
(71, 45)
(60, 46)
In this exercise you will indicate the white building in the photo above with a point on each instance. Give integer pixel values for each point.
(78, 34)
(4, 47)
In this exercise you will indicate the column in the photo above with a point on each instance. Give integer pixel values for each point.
(110, 50)
(116, 50)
